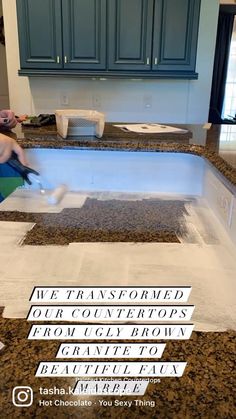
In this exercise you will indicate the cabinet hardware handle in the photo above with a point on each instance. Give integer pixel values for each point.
(155, 61)
(148, 61)
(58, 59)
(65, 59)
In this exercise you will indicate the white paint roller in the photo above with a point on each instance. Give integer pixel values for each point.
(57, 194)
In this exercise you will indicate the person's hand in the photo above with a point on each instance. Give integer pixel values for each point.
(21, 118)
(7, 146)
(7, 119)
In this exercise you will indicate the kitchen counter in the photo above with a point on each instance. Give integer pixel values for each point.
(201, 390)
(207, 384)
(212, 144)
(217, 144)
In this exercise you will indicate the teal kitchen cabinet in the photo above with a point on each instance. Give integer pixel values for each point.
(153, 35)
(130, 34)
(39, 28)
(109, 38)
(84, 34)
(56, 34)
(175, 35)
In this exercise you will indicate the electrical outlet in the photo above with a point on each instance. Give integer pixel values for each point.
(147, 101)
(223, 204)
(64, 99)
(223, 201)
(96, 101)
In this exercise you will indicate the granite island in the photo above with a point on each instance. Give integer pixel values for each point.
(210, 143)
(207, 384)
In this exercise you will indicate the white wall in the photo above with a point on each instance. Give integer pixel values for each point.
(4, 99)
(179, 101)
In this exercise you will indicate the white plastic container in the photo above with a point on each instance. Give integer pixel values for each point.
(79, 122)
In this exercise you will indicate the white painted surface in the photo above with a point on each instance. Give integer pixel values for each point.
(170, 101)
(132, 172)
(119, 171)
(31, 200)
(209, 268)
(219, 197)
(221, 200)
(233, 219)
(205, 259)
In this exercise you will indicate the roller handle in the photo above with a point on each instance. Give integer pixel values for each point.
(20, 168)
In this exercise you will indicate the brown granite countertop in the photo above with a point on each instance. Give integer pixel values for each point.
(206, 390)
(217, 144)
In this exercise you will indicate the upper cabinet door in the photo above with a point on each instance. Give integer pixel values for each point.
(84, 34)
(175, 35)
(130, 34)
(40, 33)
(127, 38)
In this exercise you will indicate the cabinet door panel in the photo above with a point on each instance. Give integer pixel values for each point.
(40, 33)
(84, 34)
(130, 34)
(175, 35)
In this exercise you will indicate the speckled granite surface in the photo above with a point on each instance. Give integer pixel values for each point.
(148, 220)
(206, 389)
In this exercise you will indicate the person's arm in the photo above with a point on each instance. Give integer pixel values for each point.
(7, 146)
(7, 119)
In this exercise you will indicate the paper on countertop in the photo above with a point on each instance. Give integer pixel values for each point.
(30, 200)
(150, 128)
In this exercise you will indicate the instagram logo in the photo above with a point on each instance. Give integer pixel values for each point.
(22, 396)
